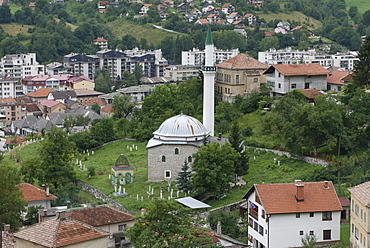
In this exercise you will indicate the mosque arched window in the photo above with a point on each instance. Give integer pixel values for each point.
(176, 151)
(163, 158)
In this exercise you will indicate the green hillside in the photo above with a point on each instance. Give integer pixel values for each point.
(363, 5)
(293, 16)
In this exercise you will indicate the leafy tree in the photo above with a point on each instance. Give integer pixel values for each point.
(353, 11)
(68, 192)
(183, 179)
(122, 106)
(32, 216)
(83, 140)
(214, 168)
(103, 82)
(103, 130)
(228, 220)
(55, 154)
(241, 166)
(11, 198)
(129, 79)
(96, 108)
(5, 15)
(165, 224)
(362, 67)
(138, 72)
(30, 169)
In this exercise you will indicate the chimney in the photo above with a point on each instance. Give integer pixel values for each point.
(300, 192)
(61, 215)
(7, 228)
(326, 184)
(68, 204)
(219, 136)
(219, 231)
(47, 191)
(45, 212)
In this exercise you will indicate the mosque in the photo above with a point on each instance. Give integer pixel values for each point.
(179, 137)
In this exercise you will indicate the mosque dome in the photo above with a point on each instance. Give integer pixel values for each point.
(122, 160)
(181, 126)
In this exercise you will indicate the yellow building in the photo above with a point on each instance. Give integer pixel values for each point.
(360, 205)
(239, 75)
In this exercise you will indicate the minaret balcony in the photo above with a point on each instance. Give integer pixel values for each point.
(209, 68)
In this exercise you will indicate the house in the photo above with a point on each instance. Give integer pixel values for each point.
(213, 11)
(360, 206)
(242, 32)
(285, 25)
(258, 3)
(101, 43)
(144, 9)
(36, 196)
(284, 78)
(311, 94)
(61, 96)
(164, 15)
(206, 7)
(202, 22)
(39, 94)
(251, 19)
(12, 110)
(345, 203)
(103, 4)
(169, 3)
(51, 106)
(337, 79)
(213, 18)
(281, 214)
(238, 24)
(239, 75)
(97, 100)
(235, 16)
(182, 8)
(227, 8)
(33, 109)
(281, 30)
(162, 6)
(223, 22)
(63, 232)
(195, 12)
(106, 111)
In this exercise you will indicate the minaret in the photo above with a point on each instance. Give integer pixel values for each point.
(209, 71)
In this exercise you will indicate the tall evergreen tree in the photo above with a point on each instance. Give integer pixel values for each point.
(362, 67)
(241, 165)
(183, 179)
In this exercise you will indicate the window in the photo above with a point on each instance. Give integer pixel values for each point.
(279, 86)
(237, 79)
(307, 85)
(327, 234)
(279, 74)
(365, 217)
(260, 231)
(255, 80)
(312, 233)
(311, 214)
(263, 214)
(163, 158)
(326, 215)
(298, 215)
(301, 233)
(356, 233)
(294, 86)
(121, 227)
(167, 174)
(357, 209)
(176, 151)
(190, 159)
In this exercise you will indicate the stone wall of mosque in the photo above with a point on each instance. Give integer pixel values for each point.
(165, 161)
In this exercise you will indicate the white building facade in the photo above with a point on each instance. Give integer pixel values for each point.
(197, 57)
(279, 217)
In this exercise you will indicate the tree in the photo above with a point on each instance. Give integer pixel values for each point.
(55, 154)
(122, 106)
(138, 72)
(5, 14)
(96, 108)
(32, 216)
(228, 220)
(11, 198)
(353, 11)
(361, 70)
(165, 224)
(183, 180)
(241, 166)
(309, 241)
(103, 130)
(214, 168)
(103, 83)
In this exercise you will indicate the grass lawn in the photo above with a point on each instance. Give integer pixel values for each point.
(344, 234)
(14, 29)
(363, 5)
(122, 27)
(294, 15)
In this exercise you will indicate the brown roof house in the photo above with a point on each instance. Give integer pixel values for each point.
(62, 231)
(39, 94)
(106, 112)
(36, 196)
(284, 78)
(239, 75)
(51, 106)
(337, 79)
(281, 214)
(311, 94)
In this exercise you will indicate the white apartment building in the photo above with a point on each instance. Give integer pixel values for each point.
(7, 87)
(281, 214)
(343, 61)
(182, 72)
(18, 66)
(197, 57)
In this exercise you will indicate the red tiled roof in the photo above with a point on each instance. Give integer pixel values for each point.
(18, 139)
(99, 216)
(203, 21)
(339, 77)
(42, 92)
(7, 100)
(242, 61)
(32, 4)
(311, 93)
(33, 193)
(344, 201)
(226, 5)
(268, 34)
(248, 15)
(32, 107)
(107, 108)
(98, 100)
(281, 197)
(100, 39)
(301, 69)
(57, 232)
(49, 103)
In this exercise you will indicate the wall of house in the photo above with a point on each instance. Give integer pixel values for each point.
(285, 228)
(95, 243)
(173, 162)
(261, 222)
(83, 85)
(45, 203)
(21, 243)
(113, 228)
(360, 226)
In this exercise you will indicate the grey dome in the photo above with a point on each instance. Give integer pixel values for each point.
(181, 126)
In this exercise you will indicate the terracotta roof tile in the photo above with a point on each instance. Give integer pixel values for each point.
(344, 201)
(49, 103)
(281, 198)
(301, 69)
(32, 107)
(43, 92)
(7, 100)
(100, 39)
(362, 193)
(18, 139)
(98, 100)
(33, 193)
(99, 216)
(311, 93)
(107, 108)
(339, 77)
(242, 61)
(58, 232)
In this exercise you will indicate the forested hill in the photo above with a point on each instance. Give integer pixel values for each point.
(53, 30)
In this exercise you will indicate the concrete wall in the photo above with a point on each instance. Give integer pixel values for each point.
(173, 162)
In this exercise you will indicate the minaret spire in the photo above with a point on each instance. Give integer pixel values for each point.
(209, 71)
